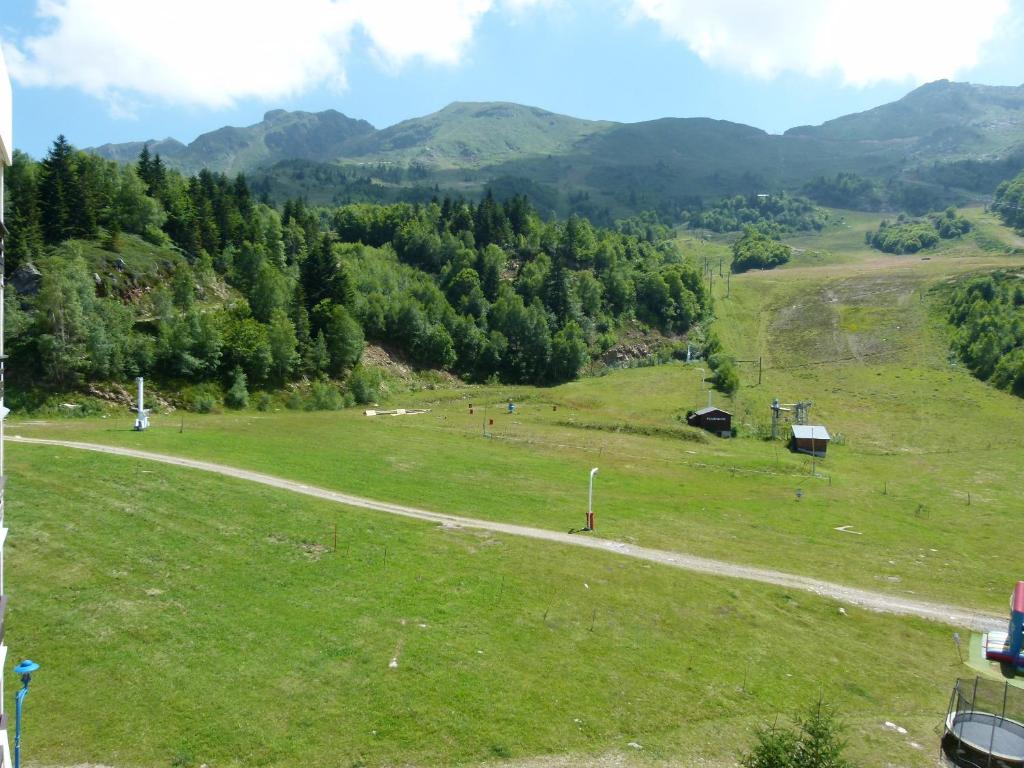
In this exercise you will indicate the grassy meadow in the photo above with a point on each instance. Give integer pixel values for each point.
(208, 619)
(184, 619)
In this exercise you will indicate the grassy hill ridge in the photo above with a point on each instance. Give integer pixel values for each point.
(955, 139)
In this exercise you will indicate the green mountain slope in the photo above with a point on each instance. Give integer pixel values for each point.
(955, 140)
(938, 118)
(474, 134)
(279, 136)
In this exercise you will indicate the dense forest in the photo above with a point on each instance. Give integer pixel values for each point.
(988, 315)
(908, 235)
(774, 215)
(1009, 202)
(252, 297)
(845, 190)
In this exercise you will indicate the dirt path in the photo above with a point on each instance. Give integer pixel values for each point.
(872, 601)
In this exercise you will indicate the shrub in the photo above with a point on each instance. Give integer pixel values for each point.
(815, 741)
(727, 378)
(201, 398)
(323, 396)
(238, 395)
(365, 384)
(755, 250)
(913, 235)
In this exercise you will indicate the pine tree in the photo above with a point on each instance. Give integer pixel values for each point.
(144, 166)
(56, 192)
(318, 271)
(24, 241)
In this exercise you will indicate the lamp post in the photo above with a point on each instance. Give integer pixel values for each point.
(590, 502)
(25, 669)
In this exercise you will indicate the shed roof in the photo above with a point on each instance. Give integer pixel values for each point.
(806, 432)
(711, 409)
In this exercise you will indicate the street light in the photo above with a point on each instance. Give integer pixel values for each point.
(590, 502)
(25, 669)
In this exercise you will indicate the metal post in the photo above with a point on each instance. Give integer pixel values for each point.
(25, 669)
(590, 501)
(142, 417)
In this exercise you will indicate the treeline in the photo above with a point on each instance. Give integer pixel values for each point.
(912, 235)
(988, 314)
(844, 190)
(258, 297)
(774, 215)
(1009, 202)
(916, 196)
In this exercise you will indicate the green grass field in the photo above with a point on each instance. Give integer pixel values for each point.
(184, 619)
(257, 647)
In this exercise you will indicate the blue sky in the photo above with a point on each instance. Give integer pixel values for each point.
(119, 70)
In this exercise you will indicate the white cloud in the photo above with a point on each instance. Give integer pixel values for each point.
(212, 53)
(864, 41)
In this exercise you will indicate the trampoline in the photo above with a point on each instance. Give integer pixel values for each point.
(980, 731)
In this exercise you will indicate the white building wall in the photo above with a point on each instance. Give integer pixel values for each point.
(6, 113)
(6, 152)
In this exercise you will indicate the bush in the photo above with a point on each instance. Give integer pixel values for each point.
(201, 398)
(238, 395)
(913, 235)
(264, 401)
(755, 250)
(815, 741)
(324, 396)
(365, 384)
(727, 378)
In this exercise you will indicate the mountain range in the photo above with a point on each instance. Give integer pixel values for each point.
(944, 140)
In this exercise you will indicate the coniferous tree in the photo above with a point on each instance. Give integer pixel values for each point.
(56, 192)
(24, 241)
(318, 270)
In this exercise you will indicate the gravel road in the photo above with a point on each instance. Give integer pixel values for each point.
(861, 598)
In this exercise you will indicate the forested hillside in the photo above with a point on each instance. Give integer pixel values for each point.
(1009, 202)
(988, 314)
(241, 295)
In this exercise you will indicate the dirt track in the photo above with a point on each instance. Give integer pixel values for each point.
(872, 601)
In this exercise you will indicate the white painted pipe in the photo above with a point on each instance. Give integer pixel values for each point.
(590, 500)
(141, 419)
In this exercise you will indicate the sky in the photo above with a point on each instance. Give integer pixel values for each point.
(121, 70)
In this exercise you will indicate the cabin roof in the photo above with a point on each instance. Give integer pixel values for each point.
(808, 432)
(711, 409)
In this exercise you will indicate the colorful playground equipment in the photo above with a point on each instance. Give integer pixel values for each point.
(984, 726)
(1005, 647)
